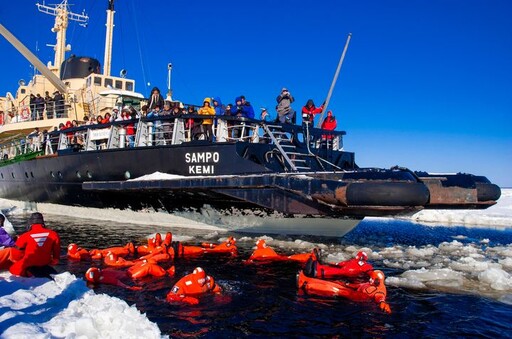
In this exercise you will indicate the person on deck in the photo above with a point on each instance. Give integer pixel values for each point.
(40, 247)
(285, 112)
(206, 109)
(247, 108)
(218, 106)
(189, 288)
(156, 99)
(309, 110)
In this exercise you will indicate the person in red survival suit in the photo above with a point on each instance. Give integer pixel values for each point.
(189, 288)
(373, 290)
(108, 277)
(40, 246)
(351, 268)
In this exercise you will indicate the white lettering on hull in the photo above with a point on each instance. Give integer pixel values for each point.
(201, 169)
(204, 159)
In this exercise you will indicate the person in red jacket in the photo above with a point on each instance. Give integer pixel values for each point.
(40, 247)
(309, 110)
(189, 288)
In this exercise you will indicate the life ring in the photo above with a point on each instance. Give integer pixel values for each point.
(24, 113)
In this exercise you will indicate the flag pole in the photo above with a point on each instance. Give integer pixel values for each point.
(334, 80)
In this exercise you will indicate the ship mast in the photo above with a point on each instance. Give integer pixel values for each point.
(62, 16)
(107, 61)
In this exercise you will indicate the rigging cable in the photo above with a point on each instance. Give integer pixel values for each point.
(137, 35)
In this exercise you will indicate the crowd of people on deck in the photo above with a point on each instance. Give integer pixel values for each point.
(197, 129)
(35, 252)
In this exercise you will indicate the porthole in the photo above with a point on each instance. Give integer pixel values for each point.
(127, 175)
(59, 174)
(89, 175)
(12, 173)
(52, 174)
(32, 174)
(2, 175)
(26, 175)
(78, 174)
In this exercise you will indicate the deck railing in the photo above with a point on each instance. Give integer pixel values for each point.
(169, 130)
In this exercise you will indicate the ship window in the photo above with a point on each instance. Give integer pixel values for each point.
(32, 174)
(108, 82)
(129, 86)
(127, 175)
(12, 173)
(119, 84)
(2, 175)
(89, 175)
(26, 175)
(78, 174)
(23, 91)
(88, 82)
(60, 174)
(52, 174)
(97, 81)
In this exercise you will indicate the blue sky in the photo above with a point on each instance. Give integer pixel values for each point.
(426, 84)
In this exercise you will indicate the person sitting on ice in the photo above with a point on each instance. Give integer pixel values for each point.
(265, 253)
(192, 286)
(351, 268)
(373, 290)
(6, 243)
(109, 277)
(77, 253)
(40, 249)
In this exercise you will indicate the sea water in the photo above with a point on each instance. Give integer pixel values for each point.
(442, 281)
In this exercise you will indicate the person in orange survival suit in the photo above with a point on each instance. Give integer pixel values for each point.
(108, 277)
(265, 253)
(122, 251)
(149, 267)
(77, 253)
(40, 247)
(189, 288)
(373, 290)
(351, 268)
(229, 246)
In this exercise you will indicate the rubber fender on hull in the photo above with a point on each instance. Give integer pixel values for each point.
(487, 191)
(387, 194)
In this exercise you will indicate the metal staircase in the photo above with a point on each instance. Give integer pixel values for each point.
(284, 143)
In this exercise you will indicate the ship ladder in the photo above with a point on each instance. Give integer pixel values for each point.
(283, 142)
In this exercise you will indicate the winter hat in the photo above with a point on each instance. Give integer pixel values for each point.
(36, 218)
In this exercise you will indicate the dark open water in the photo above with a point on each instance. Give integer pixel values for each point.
(262, 300)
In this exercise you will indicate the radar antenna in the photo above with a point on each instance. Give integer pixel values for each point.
(62, 16)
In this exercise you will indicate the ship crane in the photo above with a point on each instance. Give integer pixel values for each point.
(62, 16)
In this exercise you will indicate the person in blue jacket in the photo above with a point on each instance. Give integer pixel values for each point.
(247, 108)
(218, 107)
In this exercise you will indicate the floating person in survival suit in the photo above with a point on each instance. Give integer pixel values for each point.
(112, 259)
(108, 277)
(77, 253)
(121, 251)
(40, 248)
(351, 268)
(229, 246)
(149, 267)
(266, 253)
(189, 288)
(374, 290)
